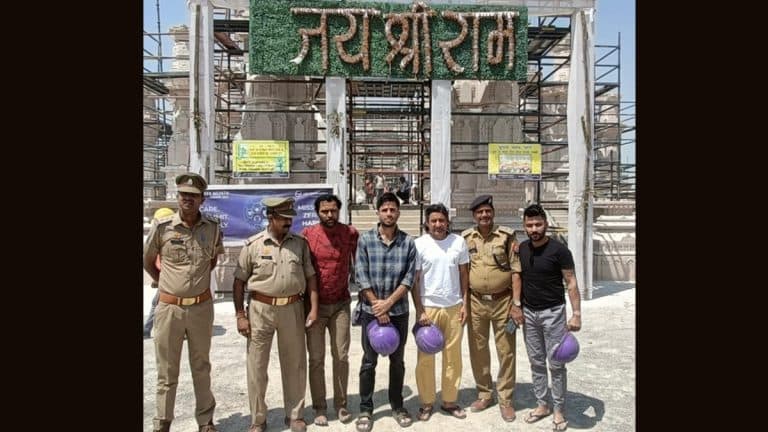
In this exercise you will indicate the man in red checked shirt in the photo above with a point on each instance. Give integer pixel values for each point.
(333, 246)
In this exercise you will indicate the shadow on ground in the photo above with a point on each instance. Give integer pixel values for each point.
(609, 288)
(578, 409)
(577, 406)
(219, 330)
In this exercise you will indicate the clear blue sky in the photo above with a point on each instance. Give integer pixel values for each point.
(612, 17)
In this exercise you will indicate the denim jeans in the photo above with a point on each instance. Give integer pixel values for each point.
(542, 330)
(396, 366)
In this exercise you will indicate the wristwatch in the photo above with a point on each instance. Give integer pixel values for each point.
(516, 302)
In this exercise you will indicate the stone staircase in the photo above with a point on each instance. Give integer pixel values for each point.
(364, 218)
(558, 216)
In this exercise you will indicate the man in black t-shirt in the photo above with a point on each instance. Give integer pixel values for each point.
(545, 263)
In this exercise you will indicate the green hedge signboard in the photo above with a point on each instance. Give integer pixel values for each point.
(418, 40)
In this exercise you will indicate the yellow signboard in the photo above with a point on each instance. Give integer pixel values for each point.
(514, 161)
(260, 158)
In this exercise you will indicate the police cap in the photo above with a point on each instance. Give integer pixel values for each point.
(481, 200)
(281, 206)
(191, 183)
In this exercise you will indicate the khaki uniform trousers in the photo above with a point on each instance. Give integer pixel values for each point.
(447, 320)
(334, 317)
(172, 322)
(288, 322)
(493, 313)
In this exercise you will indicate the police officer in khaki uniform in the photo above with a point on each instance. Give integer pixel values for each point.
(494, 284)
(276, 267)
(188, 243)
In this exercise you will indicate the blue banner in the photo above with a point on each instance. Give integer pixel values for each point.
(242, 214)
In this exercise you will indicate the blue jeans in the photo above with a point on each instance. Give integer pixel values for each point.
(396, 366)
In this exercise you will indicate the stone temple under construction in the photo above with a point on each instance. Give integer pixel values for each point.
(343, 130)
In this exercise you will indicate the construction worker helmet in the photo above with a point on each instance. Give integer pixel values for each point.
(567, 349)
(162, 212)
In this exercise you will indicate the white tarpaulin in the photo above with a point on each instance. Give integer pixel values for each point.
(201, 93)
(581, 86)
(336, 133)
(440, 143)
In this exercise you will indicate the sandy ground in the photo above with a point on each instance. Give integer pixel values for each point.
(601, 381)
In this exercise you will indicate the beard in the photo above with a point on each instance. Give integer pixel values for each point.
(389, 223)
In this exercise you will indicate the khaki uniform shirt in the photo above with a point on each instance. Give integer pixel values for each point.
(276, 270)
(185, 253)
(486, 276)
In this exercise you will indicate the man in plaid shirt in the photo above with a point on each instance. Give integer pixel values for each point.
(385, 265)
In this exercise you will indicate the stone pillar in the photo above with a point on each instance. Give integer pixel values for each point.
(178, 146)
(268, 96)
(180, 50)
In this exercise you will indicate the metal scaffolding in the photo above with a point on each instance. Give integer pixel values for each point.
(389, 131)
(543, 106)
(156, 128)
(614, 127)
(389, 120)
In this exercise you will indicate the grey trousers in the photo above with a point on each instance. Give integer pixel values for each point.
(542, 330)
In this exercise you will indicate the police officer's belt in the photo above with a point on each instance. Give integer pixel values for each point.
(276, 301)
(494, 296)
(182, 301)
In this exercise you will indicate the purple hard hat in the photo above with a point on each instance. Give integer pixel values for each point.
(383, 338)
(567, 349)
(429, 338)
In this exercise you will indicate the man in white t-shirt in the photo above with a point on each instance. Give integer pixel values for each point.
(440, 295)
(378, 185)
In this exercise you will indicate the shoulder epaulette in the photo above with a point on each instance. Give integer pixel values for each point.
(467, 232)
(253, 238)
(299, 236)
(166, 219)
(213, 219)
(506, 230)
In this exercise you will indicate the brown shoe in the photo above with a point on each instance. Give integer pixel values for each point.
(508, 413)
(480, 404)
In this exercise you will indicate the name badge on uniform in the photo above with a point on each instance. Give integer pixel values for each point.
(177, 241)
(472, 247)
(266, 257)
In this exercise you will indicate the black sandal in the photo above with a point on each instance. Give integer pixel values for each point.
(363, 423)
(403, 418)
(425, 413)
